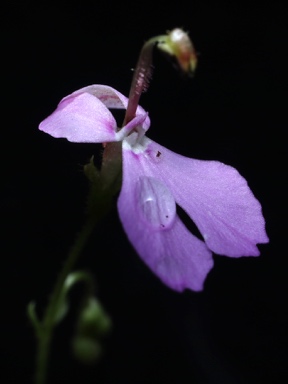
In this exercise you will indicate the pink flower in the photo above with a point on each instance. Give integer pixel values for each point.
(155, 179)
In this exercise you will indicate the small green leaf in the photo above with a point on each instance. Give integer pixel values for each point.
(31, 312)
(70, 281)
(91, 171)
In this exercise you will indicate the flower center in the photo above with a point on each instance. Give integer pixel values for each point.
(156, 203)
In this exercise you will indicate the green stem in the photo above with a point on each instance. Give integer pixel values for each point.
(48, 324)
(103, 187)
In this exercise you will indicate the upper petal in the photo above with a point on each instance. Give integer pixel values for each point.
(108, 95)
(84, 116)
(215, 196)
(112, 99)
(147, 211)
(81, 118)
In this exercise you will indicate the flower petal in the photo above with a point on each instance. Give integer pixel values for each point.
(81, 118)
(109, 96)
(136, 123)
(84, 117)
(147, 211)
(215, 196)
(112, 99)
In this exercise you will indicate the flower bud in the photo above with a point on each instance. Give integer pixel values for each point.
(179, 45)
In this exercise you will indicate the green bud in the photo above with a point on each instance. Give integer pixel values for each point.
(91, 171)
(93, 324)
(93, 320)
(86, 350)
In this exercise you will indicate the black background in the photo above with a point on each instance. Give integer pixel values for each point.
(235, 331)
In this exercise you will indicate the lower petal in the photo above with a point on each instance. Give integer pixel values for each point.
(177, 257)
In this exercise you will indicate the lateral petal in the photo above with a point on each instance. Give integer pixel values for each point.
(215, 196)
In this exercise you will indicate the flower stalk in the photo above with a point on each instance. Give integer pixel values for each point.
(176, 44)
(47, 325)
(103, 187)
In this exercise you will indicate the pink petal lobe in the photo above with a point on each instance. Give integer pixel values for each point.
(215, 196)
(147, 211)
(135, 124)
(81, 118)
(111, 98)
